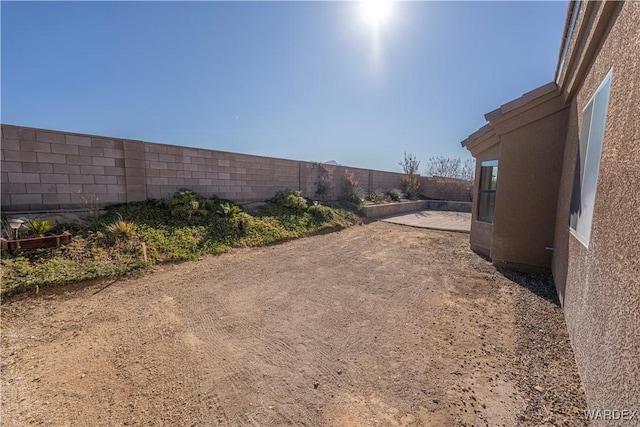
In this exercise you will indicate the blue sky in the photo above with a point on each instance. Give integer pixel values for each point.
(300, 80)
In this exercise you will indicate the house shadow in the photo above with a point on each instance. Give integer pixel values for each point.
(540, 284)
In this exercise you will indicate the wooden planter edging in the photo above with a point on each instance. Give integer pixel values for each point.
(36, 242)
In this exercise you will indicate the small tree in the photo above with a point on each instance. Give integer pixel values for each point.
(411, 176)
(323, 185)
(468, 171)
(450, 173)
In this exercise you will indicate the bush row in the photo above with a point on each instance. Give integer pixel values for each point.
(130, 237)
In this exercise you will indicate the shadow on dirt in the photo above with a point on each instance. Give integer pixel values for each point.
(539, 284)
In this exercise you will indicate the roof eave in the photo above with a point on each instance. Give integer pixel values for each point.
(524, 101)
(565, 37)
(477, 134)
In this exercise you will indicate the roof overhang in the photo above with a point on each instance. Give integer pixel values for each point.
(531, 106)
(586, 27)
(481, 140)
(523, 103)
(569, 22)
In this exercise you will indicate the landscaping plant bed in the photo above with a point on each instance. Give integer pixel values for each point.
(33, 243)
(130, 238)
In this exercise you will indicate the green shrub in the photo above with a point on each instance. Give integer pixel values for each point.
(166, 212)
(95, 253)
(395, 194)
(186, 204)
(150, 211)
(229, 210)
(376, 196)
(353, 195)
(322, 213)
(411, 177)
(83, 259)
(122, 229)
(38, 227)
(411, 187)
(289, 199)
(173, 243)
(332, 217)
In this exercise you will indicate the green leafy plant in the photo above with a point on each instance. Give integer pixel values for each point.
(130, 237)
(353, 195)
(324, 214)
(122, 229)
(289, 199)
(376, 196)
(5, 230)
(186, 204)
(395, 194)
(229, 210)
(38, 227)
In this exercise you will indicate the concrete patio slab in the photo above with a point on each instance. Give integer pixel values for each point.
(435, 220)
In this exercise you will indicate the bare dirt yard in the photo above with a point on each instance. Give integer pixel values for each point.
(379, 325)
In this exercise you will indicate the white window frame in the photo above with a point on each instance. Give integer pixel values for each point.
(584, 219)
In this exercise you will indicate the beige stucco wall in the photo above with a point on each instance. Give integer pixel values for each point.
(561, 235)
(601, 287)
(527, 137)
(480, 237)
(529, 175)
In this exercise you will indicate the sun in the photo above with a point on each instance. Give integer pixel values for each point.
(376, 12)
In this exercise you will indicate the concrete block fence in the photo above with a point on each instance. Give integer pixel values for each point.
(48, 170)
(446, 189)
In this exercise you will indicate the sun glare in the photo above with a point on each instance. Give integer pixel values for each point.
(376, 12)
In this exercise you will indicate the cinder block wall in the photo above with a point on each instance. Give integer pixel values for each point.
(368, 179)
(45, 169)
(446, 189)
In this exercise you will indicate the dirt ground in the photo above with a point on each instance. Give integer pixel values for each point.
(378, 325)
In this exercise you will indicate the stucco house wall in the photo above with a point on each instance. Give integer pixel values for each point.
(600, 285)
(529, 173)
(527, 137)
(598, 281)
(481, 231)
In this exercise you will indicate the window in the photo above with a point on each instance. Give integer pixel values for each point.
(585, 178)
(487, 190)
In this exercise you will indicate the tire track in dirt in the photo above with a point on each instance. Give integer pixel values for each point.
(223, 331)
(280, 352)
(375, 325)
